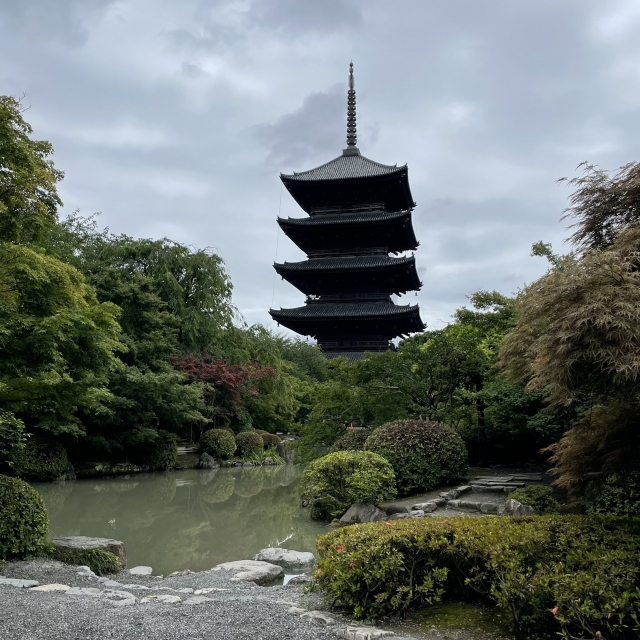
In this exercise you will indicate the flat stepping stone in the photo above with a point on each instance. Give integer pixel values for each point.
(363, 633)
(198, 600)
(54, 586)
(18, 583)
(287, 559)
(141, 571)
(77, 544)
(321, 618)
(252, 571)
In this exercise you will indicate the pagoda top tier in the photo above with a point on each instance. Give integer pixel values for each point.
(350, 179)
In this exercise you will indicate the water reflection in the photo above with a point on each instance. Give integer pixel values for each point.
(191, 519)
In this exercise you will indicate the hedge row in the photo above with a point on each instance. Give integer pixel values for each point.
(571, 575)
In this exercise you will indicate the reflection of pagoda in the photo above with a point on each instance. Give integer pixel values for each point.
(359, 213)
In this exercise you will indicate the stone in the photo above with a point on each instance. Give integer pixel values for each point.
(185, 590)
(296, 611)
(86, 571)
(252, 571)
(515, 508)
(119, 598)
(76, 544)
(469, 504)
(488, 507)
(20, 584)
(84, 591)
(455, 504)
(70, 472)
(363, 633)
(167, 599)
(321, 618)
(298, 580)
(268, 460)
(54, 586)
(360, 512)
(141, 571)
(427, 507)
(111, 584)
(287, 559)
(399, 516)
(463, 489)
(207, 462)
(197, 600)
(439, 501)
(396, 508)
(416, 513)
(186, 572)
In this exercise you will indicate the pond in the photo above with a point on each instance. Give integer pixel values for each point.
(191, 519)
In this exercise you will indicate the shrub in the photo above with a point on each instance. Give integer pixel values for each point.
(587, 567)
(422, 454)
(270, 440)
(39, 459)
(249, 444)
(339, 479)
(220, 490)
(539, 497)
(161, 453)
(351, 440)
(24, 523)
(218, 443)
(619, 495)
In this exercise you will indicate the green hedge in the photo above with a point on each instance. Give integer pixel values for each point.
(24, 524)
(39, 459)
(351, 440)
(618, 495)
(158, 454)
(539, 497)
(339, 479)
(423, 454)
(249, 444)
(218, 443)
(571, 575)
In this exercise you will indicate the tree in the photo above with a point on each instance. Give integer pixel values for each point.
(28, 178)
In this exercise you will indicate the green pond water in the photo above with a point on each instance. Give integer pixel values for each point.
(190, 519)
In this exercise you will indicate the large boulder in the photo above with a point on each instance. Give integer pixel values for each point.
(252, 571)
(360, 512)
(207, 462)
(77, 544)
(515, 508)
(294, 560)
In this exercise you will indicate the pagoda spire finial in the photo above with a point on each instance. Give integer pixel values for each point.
(352, 138)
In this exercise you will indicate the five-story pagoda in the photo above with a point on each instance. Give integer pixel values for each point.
(359, 213)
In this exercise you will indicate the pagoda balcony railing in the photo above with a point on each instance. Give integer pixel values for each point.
(348, 208)
(347, 253)
(349, 297)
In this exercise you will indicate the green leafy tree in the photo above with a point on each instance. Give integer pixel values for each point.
(28, 178)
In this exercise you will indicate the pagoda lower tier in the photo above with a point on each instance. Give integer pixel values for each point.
(380, 273)
(324, 234)
(351, 326)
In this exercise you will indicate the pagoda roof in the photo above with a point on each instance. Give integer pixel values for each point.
(351, 179)
(344, 218)
(345, 310)
(388, 320)
(346, 166)
(362, 262)
(352, 230)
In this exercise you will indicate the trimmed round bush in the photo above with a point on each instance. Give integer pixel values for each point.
(423, 454)
(24, 523)
(270, 440)
(339, 479)
(351, 440)
(218, 443)
(539, 497)
(39, 459)
(158, 454)
(249, 444)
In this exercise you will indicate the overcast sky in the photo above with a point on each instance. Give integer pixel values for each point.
(175, 117)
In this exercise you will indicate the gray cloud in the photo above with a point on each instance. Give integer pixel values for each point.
(176, 118)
